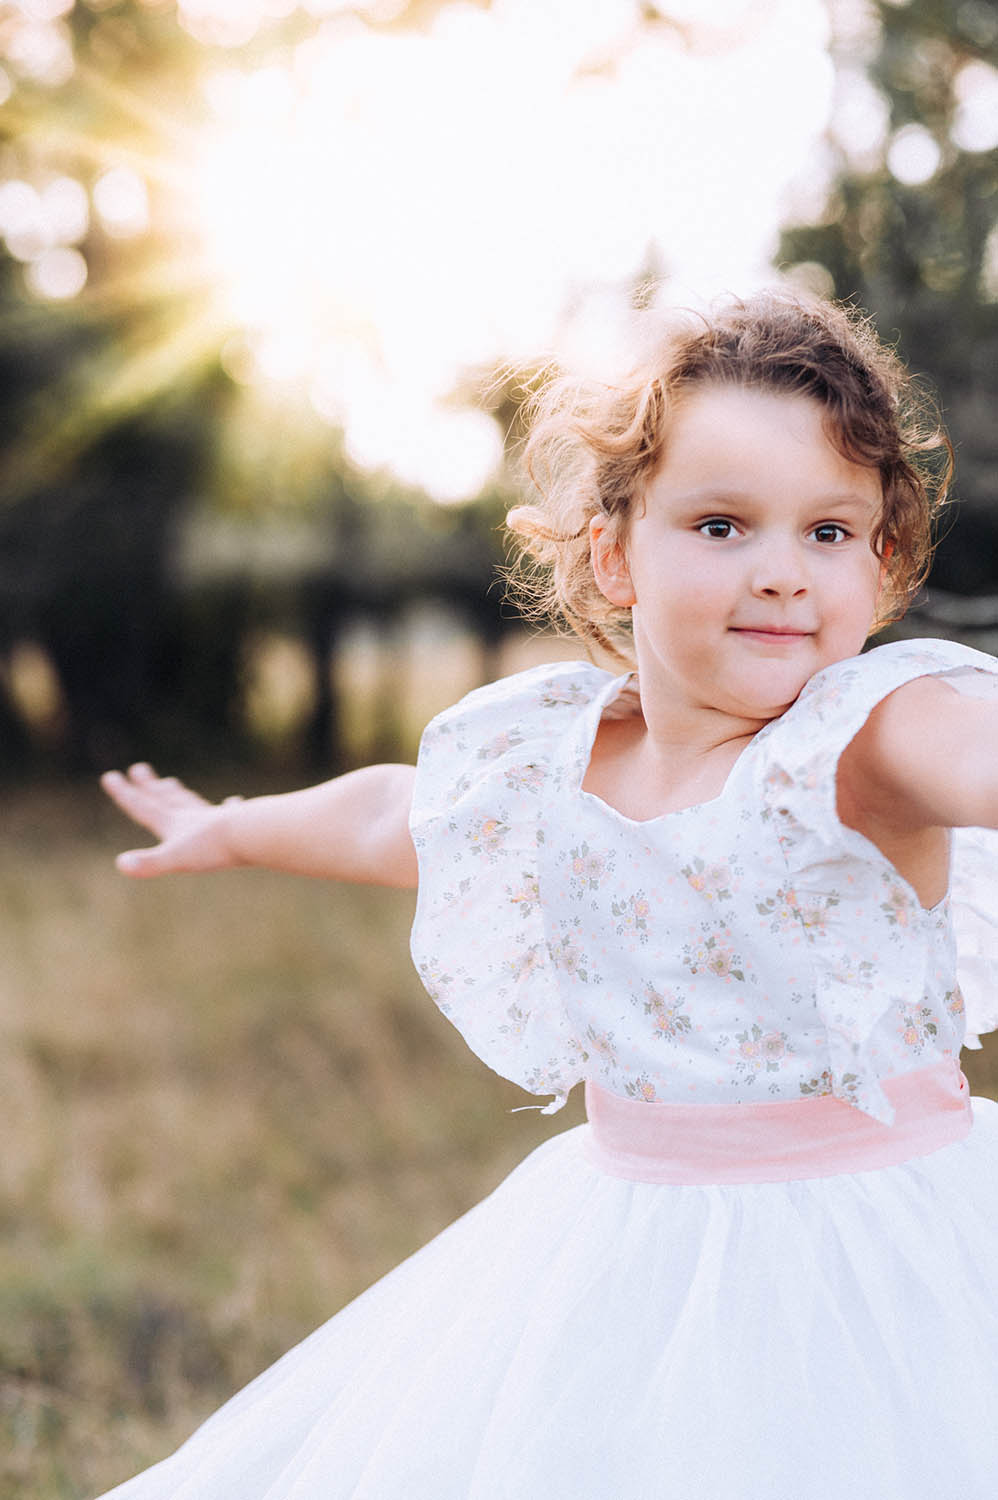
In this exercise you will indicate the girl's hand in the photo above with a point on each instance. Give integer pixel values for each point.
(191, 831)
(355, 827)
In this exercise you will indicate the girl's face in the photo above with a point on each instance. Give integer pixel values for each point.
(749, 564)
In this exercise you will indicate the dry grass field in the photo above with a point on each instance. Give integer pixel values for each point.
(228, 1106)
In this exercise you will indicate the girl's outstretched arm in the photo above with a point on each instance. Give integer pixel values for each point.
(926, 757)
(355, 827)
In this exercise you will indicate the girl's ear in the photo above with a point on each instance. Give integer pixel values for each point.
(609, 560)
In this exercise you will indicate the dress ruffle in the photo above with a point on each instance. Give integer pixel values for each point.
(487, 769)
(796, 767)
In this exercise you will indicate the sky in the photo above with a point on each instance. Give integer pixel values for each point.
(380, 214)
(486, 191)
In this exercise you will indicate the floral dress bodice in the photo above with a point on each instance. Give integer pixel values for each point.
(747, 948)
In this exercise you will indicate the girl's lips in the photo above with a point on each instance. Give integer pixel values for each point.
(760, 633)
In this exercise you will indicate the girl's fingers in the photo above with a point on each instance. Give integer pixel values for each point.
(140, 862)
(151, 800)
(141, 771)
(133, 799)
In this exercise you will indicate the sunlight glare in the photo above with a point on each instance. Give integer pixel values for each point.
(860, 118)
(914, 155)
(57, 274)
(65, 210)
(42, 52)
(989, 267)
(122, 202)
(222, 23)
(21, 219)
(449, 454)
(975, 124)
(45, 10)
(381, 217)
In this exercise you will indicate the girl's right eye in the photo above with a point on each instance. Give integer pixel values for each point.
(716, 527)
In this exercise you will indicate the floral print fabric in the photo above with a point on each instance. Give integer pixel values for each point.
(750, 947)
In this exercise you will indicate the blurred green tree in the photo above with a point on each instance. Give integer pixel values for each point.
(909, 230)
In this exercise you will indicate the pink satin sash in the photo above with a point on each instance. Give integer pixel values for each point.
(775, 1140)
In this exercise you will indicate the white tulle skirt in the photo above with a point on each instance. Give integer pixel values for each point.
(577, 1336)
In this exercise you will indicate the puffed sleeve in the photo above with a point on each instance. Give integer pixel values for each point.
(871, 952)
(485, 777)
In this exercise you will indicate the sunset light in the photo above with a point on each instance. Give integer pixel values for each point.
(372, 219)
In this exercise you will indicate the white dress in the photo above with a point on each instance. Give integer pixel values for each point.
(582, 1336)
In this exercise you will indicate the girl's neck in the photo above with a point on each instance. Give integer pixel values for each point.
(645, 777)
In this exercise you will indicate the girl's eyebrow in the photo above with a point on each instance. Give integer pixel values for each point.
(722, 494)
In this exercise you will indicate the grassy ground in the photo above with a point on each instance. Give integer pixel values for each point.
(228, 1107)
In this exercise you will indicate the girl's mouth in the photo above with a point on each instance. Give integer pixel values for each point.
(762, 633)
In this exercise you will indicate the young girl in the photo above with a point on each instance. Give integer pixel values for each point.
(722, 891)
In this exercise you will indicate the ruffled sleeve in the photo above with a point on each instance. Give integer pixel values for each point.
(487, 771)
(874, 955)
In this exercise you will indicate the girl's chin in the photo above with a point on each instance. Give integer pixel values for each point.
(769, 696)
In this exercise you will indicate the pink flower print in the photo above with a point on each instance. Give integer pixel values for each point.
(761, 1051)
(528, 778)
(897, 906)
(436, 982)
(850, 974)
(566, 955)
(782, 907)
(602, 1045)
(589, 868)
(668, 1019)
(847, 1087)
(558, 695)
(776, 783)
(918, 1027)
(528, 962)
(487, 837)
(641, 1088)
(500, 744)
(712, 881)
(526, 896)
(516, 1025)
(713, 957)
(774, 1046)
(814, 911)
(788, 911)
(822, 1084)
(633, 916)
(953, 1001)
(457, 791)
(828, 694)
(546, 1080)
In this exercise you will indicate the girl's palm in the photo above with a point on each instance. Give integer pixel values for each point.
(186, 825)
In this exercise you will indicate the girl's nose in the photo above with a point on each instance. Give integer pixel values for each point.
(780, 570)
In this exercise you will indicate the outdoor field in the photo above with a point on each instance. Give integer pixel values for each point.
(228, 1107)
(282, 284)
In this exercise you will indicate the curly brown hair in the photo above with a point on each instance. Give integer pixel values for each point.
(592, 446)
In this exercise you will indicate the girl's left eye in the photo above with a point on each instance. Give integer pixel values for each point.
(716, 527)
(830, 531)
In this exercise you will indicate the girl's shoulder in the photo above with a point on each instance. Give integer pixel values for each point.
(841, 697)
(522, 734)
(795, 758)
(534, 703)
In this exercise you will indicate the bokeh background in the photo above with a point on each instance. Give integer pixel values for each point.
(275, 278)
